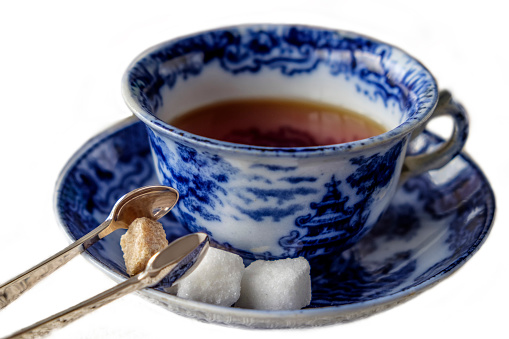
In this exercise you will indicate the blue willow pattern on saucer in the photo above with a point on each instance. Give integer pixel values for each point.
(434, 224)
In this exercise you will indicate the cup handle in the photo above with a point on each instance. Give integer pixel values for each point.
(418, 164)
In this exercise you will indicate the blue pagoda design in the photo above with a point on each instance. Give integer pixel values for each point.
(332, 223)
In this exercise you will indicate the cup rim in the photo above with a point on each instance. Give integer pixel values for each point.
(159, 125)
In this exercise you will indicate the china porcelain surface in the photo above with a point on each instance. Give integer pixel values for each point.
(277, 202)
(434, 224)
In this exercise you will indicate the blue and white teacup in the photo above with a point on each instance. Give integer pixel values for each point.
(269, 202)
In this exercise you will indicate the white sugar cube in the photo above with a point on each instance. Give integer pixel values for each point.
(276, 285)
(216, 280)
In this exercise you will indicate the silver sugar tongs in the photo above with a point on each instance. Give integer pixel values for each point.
(151, 202)
(171, 263)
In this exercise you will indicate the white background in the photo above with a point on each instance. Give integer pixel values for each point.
(60, 70)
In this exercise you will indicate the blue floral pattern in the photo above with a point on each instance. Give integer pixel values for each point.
(454, 213)
(224, 193)
(233, 186)
(197, 177)
(289, 49)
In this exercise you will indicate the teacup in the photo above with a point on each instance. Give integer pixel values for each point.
(276, 202)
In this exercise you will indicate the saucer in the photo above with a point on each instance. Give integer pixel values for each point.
(435, 223)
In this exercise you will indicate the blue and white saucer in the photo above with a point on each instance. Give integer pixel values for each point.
(435, 223)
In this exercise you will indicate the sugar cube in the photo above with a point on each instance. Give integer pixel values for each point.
(216, 280)
(276, 285)
(144, 238)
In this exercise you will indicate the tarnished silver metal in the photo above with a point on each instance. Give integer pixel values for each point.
(172, 263)
(150, 201)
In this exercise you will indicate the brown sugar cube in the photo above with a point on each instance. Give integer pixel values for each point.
(143, 239)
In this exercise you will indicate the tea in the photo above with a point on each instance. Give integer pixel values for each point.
(277, 123)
